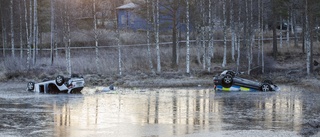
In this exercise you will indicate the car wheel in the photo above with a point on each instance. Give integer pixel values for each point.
(227, 81)
(231, 73)
(265, 87)
(111, 87)
(59, 80)
(30, 86)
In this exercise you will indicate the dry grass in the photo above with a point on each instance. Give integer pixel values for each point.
(135, 58)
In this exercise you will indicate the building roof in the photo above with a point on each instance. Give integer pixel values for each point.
(128, 6)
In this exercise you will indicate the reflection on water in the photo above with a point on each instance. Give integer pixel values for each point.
(168, 112)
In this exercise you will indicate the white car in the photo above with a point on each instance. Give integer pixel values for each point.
(60, 85)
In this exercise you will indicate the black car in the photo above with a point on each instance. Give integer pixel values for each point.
(230, 81)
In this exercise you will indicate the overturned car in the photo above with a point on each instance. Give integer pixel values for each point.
(230, 81)
(74, 84)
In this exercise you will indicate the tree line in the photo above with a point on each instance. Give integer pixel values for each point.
(22, 22)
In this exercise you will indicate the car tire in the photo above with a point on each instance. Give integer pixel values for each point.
(265, 87)
(111, 87)
(60, 80)
(231, 73)
(30, 86)
(227, 81)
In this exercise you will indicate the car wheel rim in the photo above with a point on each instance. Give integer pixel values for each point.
(227, 80)
(30, 86)
(59, 79)
(265, 88)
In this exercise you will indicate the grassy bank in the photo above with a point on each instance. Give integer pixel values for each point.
(289, 67)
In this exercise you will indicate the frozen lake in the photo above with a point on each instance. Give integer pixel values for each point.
(159, 112)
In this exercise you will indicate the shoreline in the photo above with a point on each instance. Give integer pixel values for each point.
(174, 79)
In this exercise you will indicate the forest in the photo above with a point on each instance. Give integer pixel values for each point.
(82, 36)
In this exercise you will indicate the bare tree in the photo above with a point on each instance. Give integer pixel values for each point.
(274, 29)
(307, 38)
(52, 30)
(262, 37)
(20, 30)
(95, 34)
(66, 33)
(156, 28)
(288, 26)
(210, 43)
(188, 38)
(224, 63)
(119, 52)
(4, 33)
(148, 37)
(239, 28)
(27, 34)
(281, 28)
(31, 37)
(203, 42)
(259, 31)
(11, 28)
(251, 34)
(233, 33)
(171, 10)
(35, 30)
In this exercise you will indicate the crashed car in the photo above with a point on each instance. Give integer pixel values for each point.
(229, 80)
(60, 85)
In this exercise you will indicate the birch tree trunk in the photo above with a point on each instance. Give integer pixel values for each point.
(96, 35)
(288, 31)
(27, 34)
(3, 26)
(11, 28)
(31, 39)
(281, 27)
(119, 52)
(251, 39)
(262, 38)
(292, 20)
(233, 34)
(157, 37)
(35, 30)
(308, 40)
(69, 50)
(188, 39)
(178, 46)
(274, 30)
(295, 30)
(203, 42)
(239, 36)
(210, 42)
(224, 63)
(198, 44)
(67, 36)
(55, 42)
(260, 31)
(248, 46)
(52, 31)
(148, 37)
(20, 29)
